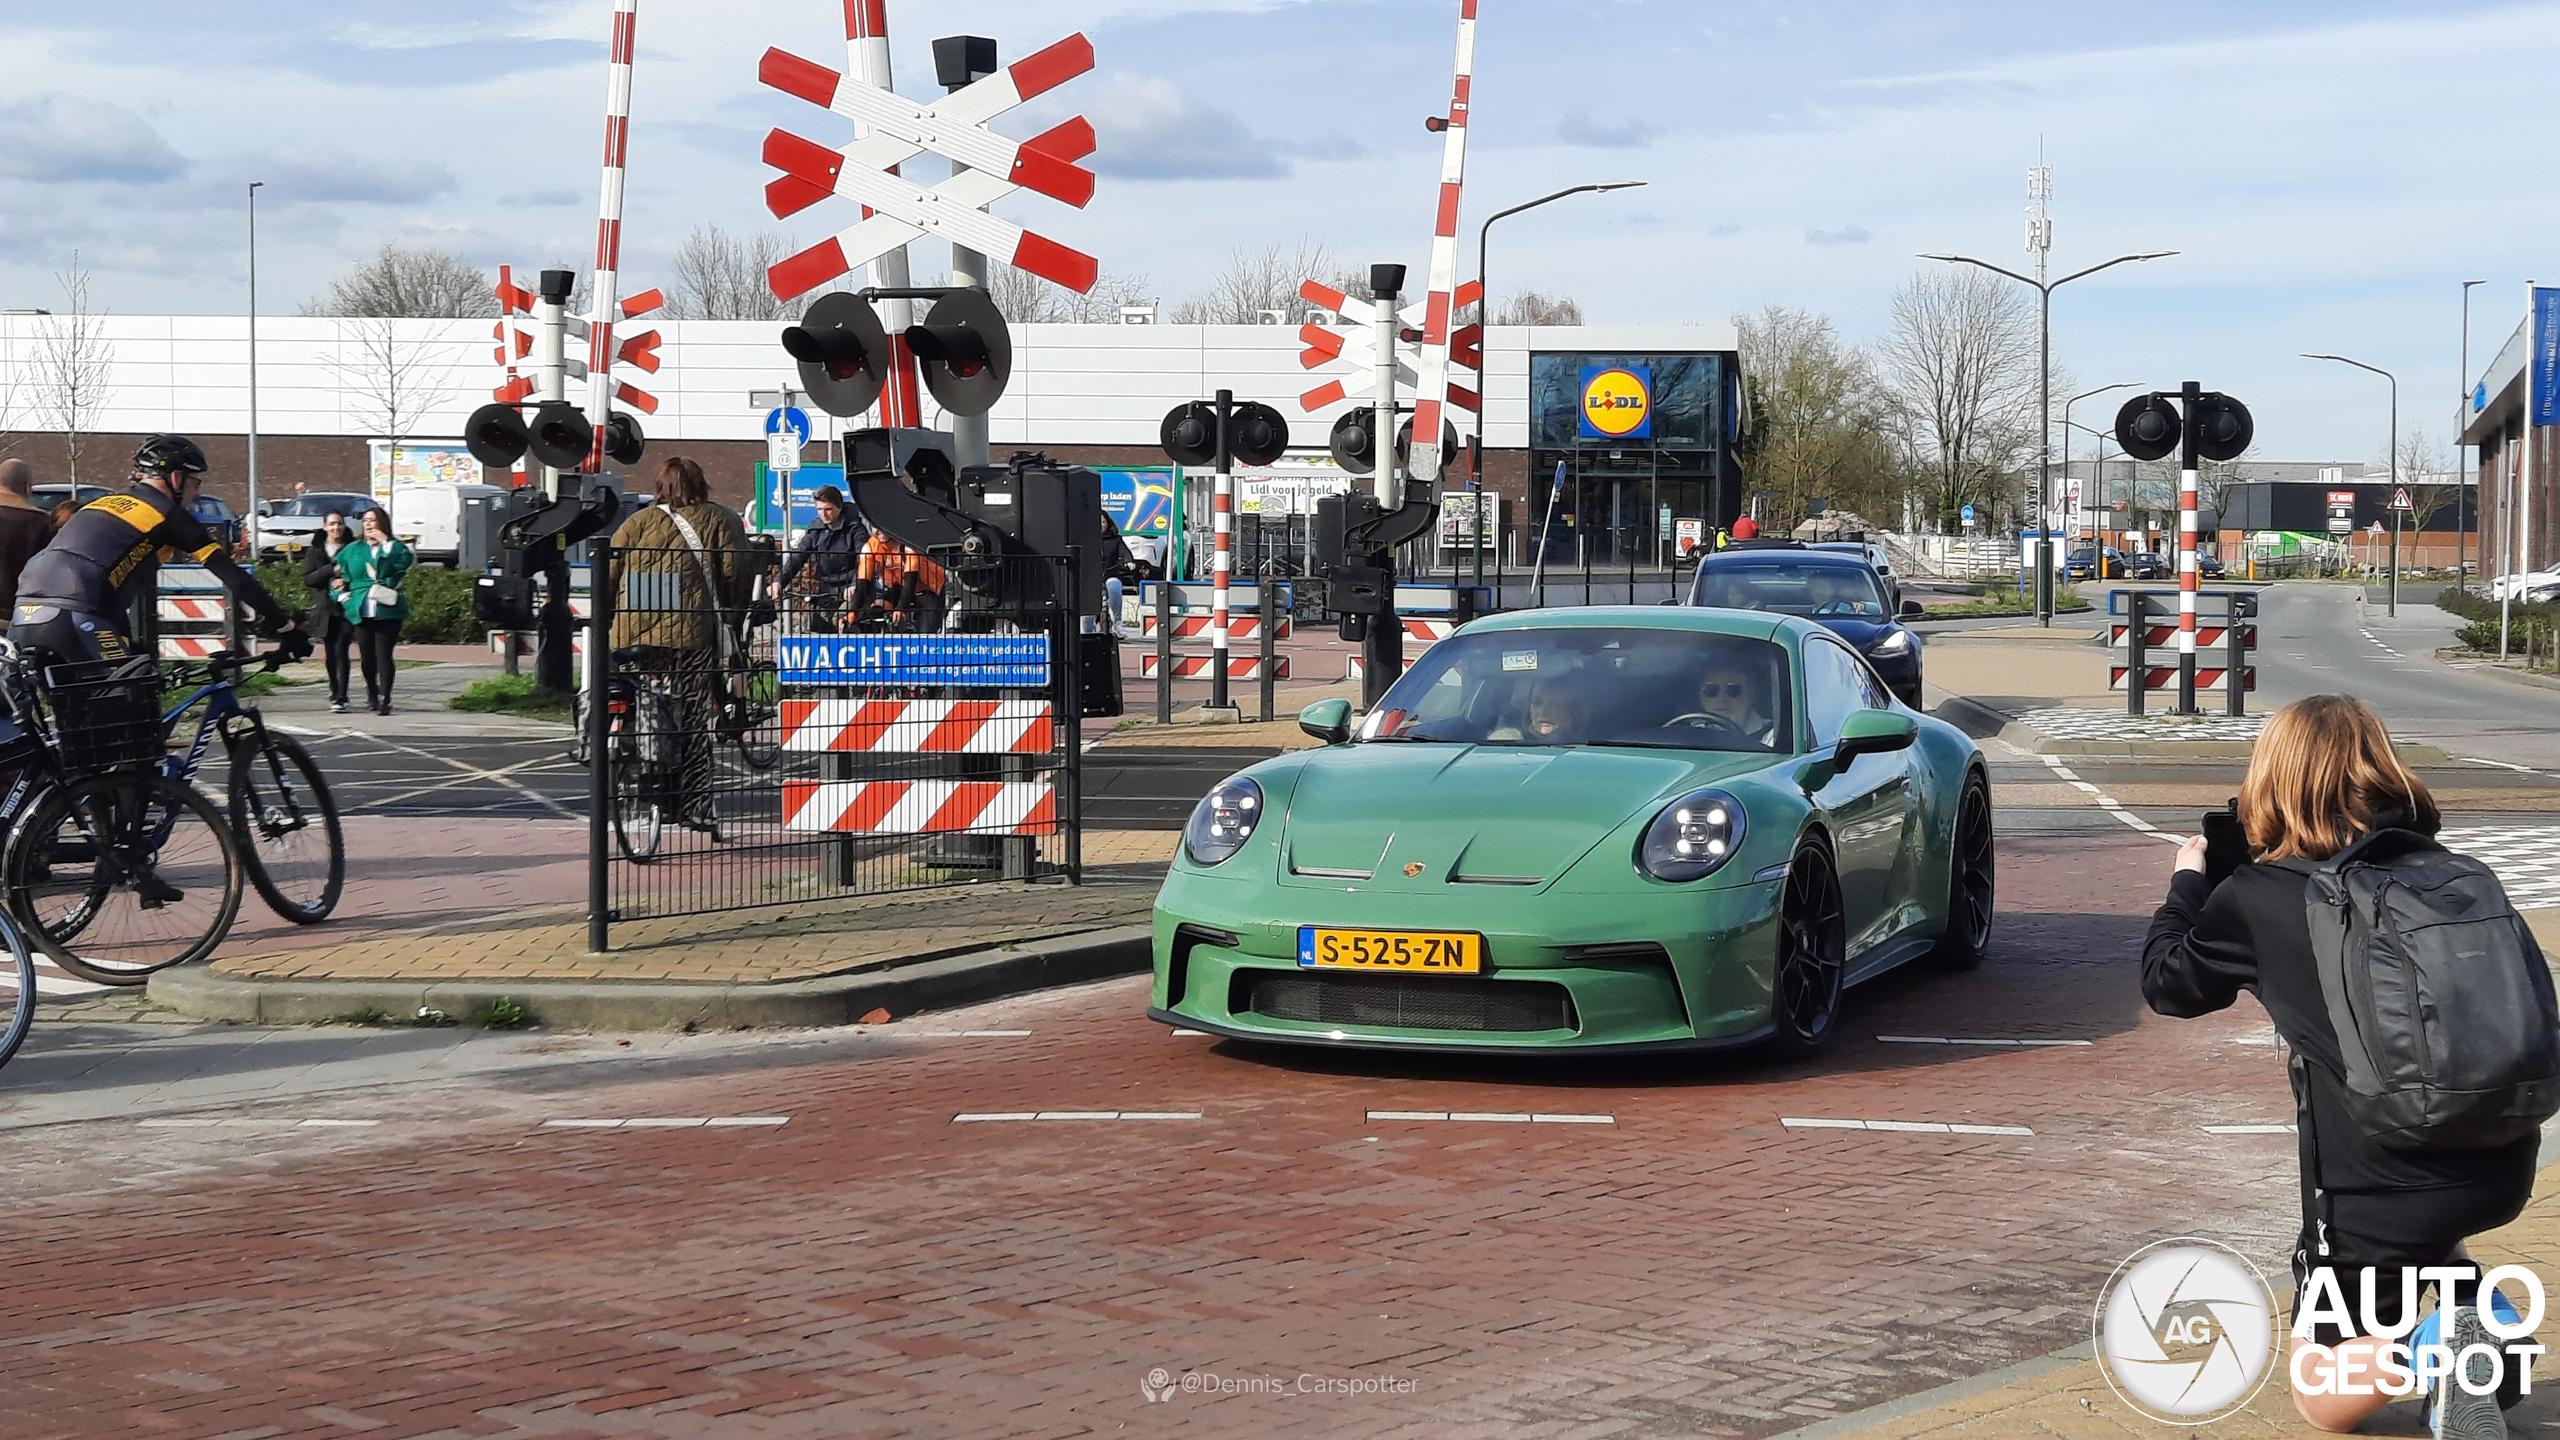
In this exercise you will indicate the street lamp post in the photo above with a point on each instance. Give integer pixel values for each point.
(2393, 467)
(249, 522)
(2044, 389)
(1484, 310)
(2099, 540)
(2464, 494)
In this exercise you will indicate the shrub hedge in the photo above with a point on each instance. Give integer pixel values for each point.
(2529, 627)
(439, 602)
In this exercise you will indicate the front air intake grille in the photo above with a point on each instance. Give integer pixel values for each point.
(1415, 1002)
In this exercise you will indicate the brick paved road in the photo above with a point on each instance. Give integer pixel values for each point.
(874, 1267)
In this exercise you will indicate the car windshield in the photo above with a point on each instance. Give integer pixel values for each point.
(319, 505)
(1790, 587)
(1671, 689)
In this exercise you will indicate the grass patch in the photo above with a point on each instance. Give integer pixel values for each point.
(503, 1013)
(515, 695)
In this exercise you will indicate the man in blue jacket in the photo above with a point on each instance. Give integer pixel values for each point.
(830, 551)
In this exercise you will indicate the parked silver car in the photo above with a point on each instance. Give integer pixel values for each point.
(285, 527)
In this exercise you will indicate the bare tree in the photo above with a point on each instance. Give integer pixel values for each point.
(419, 284)
(1531, 308)
(2429, 475)
(1961, 360)
(1818, 419)
(1027, 299)
(389, 381)
(72, 362)
(720, 276)
(1258, 280)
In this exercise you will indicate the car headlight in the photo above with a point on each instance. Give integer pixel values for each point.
(1897, 643)
(1692, 837)
(1222, 821)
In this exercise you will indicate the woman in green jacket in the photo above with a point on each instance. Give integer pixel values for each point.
(370, 574)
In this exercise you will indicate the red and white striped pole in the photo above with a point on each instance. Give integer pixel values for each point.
(866, 57)
(1222, 525)
(2191, 394)
(1431, 390)
(617, 141)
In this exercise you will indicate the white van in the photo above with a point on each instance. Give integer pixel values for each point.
(429, 518)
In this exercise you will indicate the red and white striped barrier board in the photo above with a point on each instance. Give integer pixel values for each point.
(191, 647)
(2165, 677)
(896, 210)
(1358, 666)
(2166, 633)
(1198, 667)
(921, 807)
(1241, 625)
(919, 727)
(173, 608)
(1429, 632)
(1440, 301)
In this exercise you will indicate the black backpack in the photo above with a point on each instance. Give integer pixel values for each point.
(2441, 1000)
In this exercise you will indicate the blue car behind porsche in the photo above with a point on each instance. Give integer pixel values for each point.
(1834, 589)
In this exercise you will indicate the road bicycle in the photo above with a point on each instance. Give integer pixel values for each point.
(282, 814)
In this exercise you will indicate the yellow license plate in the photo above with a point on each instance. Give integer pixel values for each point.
(1436, 952)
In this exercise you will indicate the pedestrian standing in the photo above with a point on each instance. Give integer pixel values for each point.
(328, 603)
(24, 528)
(2330, 814)
(1119, 566)
(372, 570)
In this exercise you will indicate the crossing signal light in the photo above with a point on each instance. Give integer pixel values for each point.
(2223, 426)
(2148, 427)
(1354, 441)
(843, 353)
(1190, 433)
(496, 436)
(965, 351)
(623, 441)
(1404, 439)
(561, 437)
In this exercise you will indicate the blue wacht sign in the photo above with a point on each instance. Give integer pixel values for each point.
(2544, 402)
(1012, 662)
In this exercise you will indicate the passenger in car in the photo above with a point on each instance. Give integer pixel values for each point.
(1557, 716)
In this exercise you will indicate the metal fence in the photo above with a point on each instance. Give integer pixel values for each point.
(913, 731)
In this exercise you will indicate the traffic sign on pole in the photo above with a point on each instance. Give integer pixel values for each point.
(789, 417)
(2400, 499)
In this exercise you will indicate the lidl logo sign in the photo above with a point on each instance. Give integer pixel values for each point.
(1617, 402)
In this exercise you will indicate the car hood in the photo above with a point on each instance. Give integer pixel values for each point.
(1475, 814)
(1865, 634)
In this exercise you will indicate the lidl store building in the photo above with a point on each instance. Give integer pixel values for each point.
(1087, 394)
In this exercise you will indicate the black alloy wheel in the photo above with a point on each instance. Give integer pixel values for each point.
(1972, 880)
(1805, 986)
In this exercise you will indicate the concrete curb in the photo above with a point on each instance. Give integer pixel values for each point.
(901, 988)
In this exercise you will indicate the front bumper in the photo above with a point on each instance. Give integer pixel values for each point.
(1690, 971)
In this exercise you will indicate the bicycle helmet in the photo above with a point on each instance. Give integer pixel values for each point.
(168, 454)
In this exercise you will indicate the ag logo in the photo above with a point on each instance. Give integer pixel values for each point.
(1617, 402)
(2185, 1331)
(1157, 1386)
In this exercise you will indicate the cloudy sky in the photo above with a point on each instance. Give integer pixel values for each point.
(2330, 171)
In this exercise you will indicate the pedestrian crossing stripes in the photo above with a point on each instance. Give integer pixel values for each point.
(2526, 858)
(2115, 725)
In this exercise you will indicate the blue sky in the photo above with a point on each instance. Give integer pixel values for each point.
(2330, 171)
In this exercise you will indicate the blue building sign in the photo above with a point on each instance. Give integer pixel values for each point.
(1013, 662)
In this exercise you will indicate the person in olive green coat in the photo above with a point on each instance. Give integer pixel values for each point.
(370, 574)
(681, 577)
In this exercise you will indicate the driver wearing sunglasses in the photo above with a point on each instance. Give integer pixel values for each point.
(1732, 695)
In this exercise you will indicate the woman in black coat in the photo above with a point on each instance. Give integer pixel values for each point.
(328, 619)
(2321, 777)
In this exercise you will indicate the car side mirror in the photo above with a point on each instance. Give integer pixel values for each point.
(1873, 732)
(1913, 610)
(1327, 720)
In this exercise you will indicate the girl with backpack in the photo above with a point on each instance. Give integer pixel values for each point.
(2398, 1167)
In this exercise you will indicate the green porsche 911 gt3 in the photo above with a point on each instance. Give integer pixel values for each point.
(1619, 827)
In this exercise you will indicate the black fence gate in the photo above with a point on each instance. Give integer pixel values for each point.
(914, 730)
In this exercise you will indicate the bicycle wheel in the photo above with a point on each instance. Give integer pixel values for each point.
(17, 990)
(286, 824)
(116, 876)
(638, 824)
(752, 716)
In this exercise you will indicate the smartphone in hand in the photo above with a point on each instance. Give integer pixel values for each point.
(2226, 845)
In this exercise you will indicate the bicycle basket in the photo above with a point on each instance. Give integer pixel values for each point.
(104, 713)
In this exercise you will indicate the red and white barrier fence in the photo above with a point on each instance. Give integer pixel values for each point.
(920, 807)
(919, 727)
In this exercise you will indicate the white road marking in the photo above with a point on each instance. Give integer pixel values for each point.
(972, 1117)
(1967, 1040)
(667, 1122)
(2248, 1129)
(2107, 805)
(2501, 764)
(475, 772)
(1914, 1127)
(1494, 1117)
(964, 1034)
(341, 1124)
